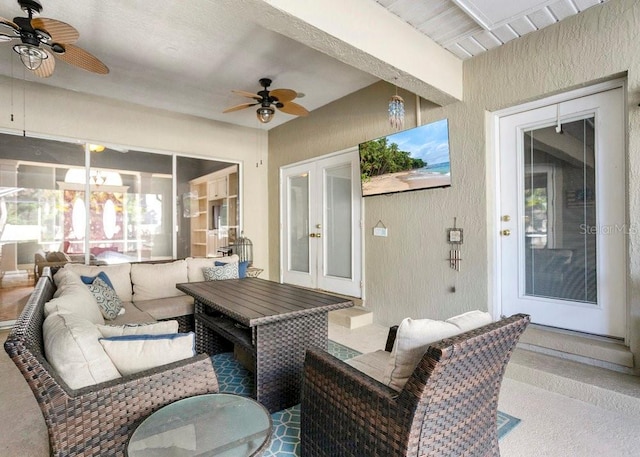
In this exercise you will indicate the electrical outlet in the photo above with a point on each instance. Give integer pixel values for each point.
(379, 231)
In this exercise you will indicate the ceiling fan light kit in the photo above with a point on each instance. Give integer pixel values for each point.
(265, 114)
(31, 56)
(279, 98)
(42, 38)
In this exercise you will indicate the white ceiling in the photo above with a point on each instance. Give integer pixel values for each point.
(188, 56)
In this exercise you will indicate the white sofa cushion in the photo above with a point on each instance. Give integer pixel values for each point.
(155, 328)
(196, 264)
(72, 347)
(120, 276)
(414, 337)
(135, 353)
(73, 297)
(151, 281)
(167, 308)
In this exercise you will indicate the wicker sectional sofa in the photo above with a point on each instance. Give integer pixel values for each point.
(97, 420)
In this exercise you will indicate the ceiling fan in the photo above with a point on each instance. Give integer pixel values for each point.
(41, 39)
(280, 98)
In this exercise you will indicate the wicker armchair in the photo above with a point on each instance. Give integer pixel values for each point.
(447, 408)
(97, 420)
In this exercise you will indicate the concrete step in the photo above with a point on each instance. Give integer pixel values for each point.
(590, 349)
(355, 317)
(611, 390)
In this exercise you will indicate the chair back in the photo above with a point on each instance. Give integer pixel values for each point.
(451, 398)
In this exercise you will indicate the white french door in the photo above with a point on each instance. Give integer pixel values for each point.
(320, 220)
(562, 214)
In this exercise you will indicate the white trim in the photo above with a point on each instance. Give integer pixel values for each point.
(562, 97)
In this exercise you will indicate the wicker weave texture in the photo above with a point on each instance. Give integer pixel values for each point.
(448, 407)
(97, 420)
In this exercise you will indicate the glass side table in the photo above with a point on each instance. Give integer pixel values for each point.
(213, 424)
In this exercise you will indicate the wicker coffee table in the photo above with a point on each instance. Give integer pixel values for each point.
(272, 324)
(213, 424)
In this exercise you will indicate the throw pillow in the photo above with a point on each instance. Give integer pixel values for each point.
(227, 271)
(242, 267)
(153, 328)
(196, 264)
(134, 353)
(102, 275)
(108, 301)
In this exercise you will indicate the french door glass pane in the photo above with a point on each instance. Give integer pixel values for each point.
(560, 212)
(298, 196)
(338, 221)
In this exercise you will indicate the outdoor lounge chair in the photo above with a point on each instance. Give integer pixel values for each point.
(448, 407)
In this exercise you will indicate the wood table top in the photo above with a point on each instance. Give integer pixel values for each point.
(254, 301)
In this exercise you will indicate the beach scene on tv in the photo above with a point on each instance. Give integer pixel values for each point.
(413, 159)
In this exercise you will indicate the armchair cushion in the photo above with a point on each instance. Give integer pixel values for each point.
(373, 364)
(57, 256)
(134, 353)
(414, 337)
(412, 341)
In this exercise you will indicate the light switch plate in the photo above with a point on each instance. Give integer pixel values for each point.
(379, 231)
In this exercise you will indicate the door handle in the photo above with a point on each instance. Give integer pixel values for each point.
(315, 235)
(505, 232)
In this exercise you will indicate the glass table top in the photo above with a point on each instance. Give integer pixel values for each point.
(213, 425)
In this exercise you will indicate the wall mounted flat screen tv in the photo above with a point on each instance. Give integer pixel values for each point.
(413, 159)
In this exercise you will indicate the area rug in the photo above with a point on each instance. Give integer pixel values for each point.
(233, 378)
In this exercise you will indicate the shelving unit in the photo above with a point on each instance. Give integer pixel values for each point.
(214, 212)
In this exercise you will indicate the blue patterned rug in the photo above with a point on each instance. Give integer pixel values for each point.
(233, 378)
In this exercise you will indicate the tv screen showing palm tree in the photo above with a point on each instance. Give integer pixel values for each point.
(413, 159)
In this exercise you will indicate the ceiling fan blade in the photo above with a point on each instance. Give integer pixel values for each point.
(283, 95)
(294, 108)
(239, 107)
(46, 67)
(8, 23)
(246, 94)
(80, 58)
(59, 31)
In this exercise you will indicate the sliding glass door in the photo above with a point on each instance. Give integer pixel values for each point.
(71, 201)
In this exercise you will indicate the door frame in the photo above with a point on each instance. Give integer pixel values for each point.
(359, 261)
(493, 191)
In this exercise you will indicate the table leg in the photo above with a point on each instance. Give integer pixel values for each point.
(280, 352)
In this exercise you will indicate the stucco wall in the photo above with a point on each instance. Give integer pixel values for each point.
(406, 273)
(65, 114)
